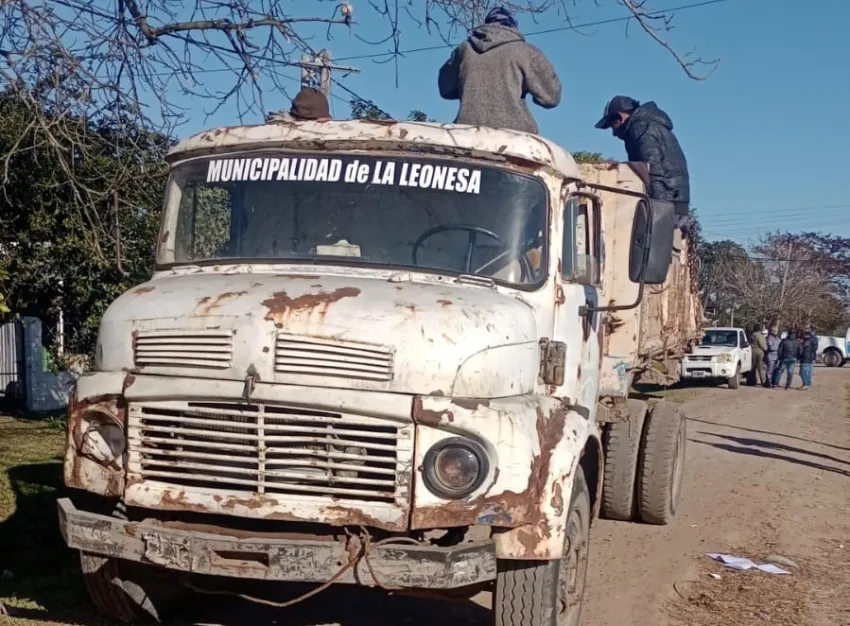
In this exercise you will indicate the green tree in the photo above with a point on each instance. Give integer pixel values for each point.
(63, 253)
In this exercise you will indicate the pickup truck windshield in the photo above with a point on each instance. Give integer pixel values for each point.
(441, 216)
(724, 338)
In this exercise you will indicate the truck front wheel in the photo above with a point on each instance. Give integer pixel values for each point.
(128, 592)
(549, 593)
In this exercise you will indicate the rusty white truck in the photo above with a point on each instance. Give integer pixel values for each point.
(384, 354)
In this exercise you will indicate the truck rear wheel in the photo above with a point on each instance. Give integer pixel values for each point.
(622, 444)
(548, 593)
(662, 464)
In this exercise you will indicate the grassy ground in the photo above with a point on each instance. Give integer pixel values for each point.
(37, 571)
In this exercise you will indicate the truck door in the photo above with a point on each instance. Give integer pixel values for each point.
(746, 352)
(579, 285)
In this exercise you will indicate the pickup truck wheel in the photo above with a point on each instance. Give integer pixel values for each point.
(622, 449)
(662, 464)
(735, 381)
(548, 593)
(832, 358)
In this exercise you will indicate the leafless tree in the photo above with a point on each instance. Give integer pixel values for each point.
(774, 286)
(112, 67)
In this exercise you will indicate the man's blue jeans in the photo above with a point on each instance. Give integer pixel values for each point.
(784, 366)
(806, 373)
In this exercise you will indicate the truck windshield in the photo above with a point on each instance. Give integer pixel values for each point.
(725, 338)
(435, 215)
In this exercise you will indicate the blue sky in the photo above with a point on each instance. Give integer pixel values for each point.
(767, 136)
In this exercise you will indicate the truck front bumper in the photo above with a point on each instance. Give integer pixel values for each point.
(407, 565)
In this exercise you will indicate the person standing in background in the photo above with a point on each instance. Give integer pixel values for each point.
(789, 353)
(808, 355)
(772, 354)
(759, 346)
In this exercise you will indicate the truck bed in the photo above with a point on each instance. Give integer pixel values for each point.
(644, 344)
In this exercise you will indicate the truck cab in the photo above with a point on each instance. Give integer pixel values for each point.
(370, 353)
(722, 354)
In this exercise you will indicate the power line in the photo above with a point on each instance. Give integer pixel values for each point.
(605, 22)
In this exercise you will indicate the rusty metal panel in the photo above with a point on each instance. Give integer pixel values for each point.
(207, 348)
(648, 342)
(479, 141)
(331, 357)
(272, 460)
(216, 552)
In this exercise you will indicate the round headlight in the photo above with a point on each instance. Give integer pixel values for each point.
(454, 468)
(101, 438)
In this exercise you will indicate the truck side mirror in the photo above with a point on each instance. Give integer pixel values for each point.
(652, 242)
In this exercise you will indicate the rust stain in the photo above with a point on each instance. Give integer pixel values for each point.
(471, 404)
(445, 303)
(403, 133)
(178, 502)
(297, 276)
(129, 379)
(557, 500)
(447, 338)
(280, 304)
(406, 305)
(427, 417)
(207, 305)
(142, 290)
(559, 295)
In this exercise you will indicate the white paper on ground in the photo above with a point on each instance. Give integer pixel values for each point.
(740, 563)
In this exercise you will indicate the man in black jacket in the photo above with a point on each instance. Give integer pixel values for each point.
(647, 133)
(790, 351)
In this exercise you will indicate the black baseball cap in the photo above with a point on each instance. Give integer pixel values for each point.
(617, 104)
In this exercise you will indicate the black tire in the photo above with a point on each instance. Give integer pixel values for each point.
(662, 464)
(832, 358)
(621, 444)
(130, 592)
(548, 593)
(735, 381)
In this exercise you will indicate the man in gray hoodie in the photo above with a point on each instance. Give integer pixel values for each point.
(492, 72)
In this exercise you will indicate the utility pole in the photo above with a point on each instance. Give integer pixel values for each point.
(316, 71)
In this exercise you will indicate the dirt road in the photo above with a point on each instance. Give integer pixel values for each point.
(768, 474)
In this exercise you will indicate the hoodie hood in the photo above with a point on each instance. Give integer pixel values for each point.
(649, 111)
(491, 36)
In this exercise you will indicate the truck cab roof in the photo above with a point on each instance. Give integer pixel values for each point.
(447, 139)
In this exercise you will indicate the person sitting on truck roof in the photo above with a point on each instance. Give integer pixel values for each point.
(647, 133)
(309, 104)
(492, 72)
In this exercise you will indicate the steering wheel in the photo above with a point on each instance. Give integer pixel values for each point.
(524, 264)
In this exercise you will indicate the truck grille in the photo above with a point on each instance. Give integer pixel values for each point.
(183, 348)
(265, 449)
(328, 357)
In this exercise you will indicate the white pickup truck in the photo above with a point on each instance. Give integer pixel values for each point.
(722, 353)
